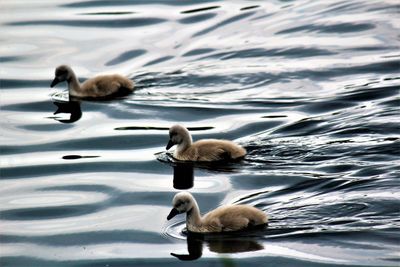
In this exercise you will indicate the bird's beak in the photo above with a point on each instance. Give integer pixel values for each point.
(170, 144)
(172, 214)
(54, 82)
(58, 108)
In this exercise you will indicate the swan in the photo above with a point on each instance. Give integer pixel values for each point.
(202, 150)
(223, 219)
(98, 87)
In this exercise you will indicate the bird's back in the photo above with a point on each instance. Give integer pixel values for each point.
(213, 149)
(106, 85)
(236, 217)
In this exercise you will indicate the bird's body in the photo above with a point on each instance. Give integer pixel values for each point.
(223, 219)
(230, 218)
(211, 150)
(101, 86)
(202, 150)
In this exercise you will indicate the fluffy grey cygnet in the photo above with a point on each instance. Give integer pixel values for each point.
(202, 150)
(98, 87)
(223, 219)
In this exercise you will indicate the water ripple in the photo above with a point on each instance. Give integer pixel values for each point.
(120, 23)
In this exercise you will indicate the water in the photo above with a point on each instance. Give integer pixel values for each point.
(310, 88)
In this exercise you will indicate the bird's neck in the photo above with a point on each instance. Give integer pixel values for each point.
(193, 218)
(74, 87)
(186, 143)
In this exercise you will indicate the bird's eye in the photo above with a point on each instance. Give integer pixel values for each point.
(61, 72)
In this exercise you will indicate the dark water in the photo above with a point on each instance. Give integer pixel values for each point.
(310, 88)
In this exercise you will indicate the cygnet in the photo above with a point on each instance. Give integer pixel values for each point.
(223, 219)
(98, 87)
(202, 150)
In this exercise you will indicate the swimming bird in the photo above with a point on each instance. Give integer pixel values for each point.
(98, 87)
(202, 150)
(223, 219)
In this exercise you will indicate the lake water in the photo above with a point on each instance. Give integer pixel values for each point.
(310, 88)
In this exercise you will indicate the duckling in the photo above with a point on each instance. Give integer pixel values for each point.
(98, 87)
(223, 219)
(202, 150)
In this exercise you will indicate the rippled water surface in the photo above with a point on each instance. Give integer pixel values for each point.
(310, 88)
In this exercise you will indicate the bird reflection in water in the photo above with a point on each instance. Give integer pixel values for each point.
(184, 171)
(183, 175)
(71, 107)
(218, 245)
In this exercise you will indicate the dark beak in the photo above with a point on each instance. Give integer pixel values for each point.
(59, 107)
(170, 144)
(54, 82)
(172, 214)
